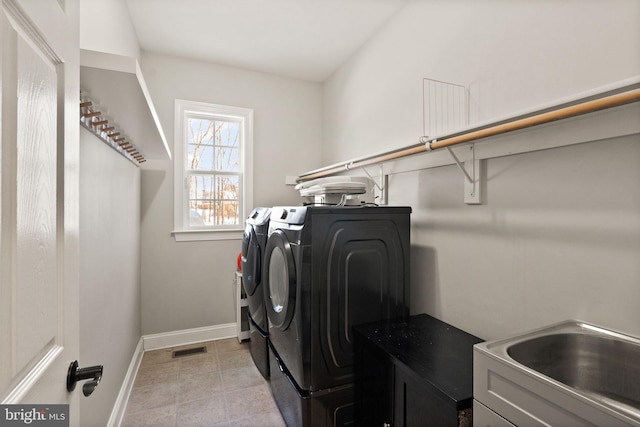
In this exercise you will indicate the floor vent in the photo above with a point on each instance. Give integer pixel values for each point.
(189, 351)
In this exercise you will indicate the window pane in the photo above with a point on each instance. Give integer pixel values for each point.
(203, 136)
(228, 133)
(227, 187)
(214, 200)
(200, 157)
(200, 131)
(201, 187)
(201, 212)
(196, 217)
(227, 213)
(227, 159)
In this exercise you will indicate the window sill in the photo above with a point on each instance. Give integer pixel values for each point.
(194, 236)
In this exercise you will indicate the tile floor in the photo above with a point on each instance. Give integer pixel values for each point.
(219, 388)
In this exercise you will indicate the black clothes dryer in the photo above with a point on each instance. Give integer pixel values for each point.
(327, 269)
(253, 245)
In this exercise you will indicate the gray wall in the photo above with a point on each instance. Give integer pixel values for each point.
(109, 270)
(190, 284)
(559, 233)
(558, 238)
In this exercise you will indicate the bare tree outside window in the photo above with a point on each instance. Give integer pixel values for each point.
(213, 170)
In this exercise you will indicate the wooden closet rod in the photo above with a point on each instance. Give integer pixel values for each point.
(517, 123)
(538, 119)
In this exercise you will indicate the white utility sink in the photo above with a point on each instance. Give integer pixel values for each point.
(568, 374)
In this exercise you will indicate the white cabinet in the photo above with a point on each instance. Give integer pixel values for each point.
(526, 398)
(242, 322)
(485, 417)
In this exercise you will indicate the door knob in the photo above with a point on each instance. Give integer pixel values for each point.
(75, 374)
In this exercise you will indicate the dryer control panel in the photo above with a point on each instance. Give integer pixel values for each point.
(289, 214)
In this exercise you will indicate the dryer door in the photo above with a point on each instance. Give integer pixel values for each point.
(279, 280)
(250, 260)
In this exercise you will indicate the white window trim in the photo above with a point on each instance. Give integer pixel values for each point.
(179, 232)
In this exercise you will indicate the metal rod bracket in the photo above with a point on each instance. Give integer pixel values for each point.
(460, 165)
(427, 142)
(472, 170)
(381, 187)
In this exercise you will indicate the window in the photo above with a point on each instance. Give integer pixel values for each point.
(213, 151)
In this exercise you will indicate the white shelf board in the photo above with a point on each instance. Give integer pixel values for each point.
(116, 85)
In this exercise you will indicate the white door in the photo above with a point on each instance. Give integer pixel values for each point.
(39, 201)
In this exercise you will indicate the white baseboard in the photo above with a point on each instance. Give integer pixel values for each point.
(158, 341)
(120, 406)
(189, 336)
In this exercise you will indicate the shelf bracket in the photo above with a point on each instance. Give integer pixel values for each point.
(472, 170)
(382, 188)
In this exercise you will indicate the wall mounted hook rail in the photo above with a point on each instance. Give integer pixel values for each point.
(95, 122)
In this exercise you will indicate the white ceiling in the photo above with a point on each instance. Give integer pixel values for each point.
(305, 39)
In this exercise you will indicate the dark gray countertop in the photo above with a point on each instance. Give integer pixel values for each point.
(436, 352)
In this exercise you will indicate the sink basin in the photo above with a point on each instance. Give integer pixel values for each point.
(604, 367)
(569, 365)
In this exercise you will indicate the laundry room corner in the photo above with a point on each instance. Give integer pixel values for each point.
(189, 285)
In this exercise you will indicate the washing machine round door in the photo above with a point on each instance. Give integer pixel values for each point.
(250, 260)
(279, 280)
